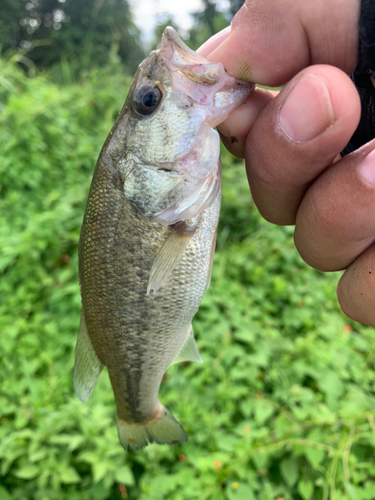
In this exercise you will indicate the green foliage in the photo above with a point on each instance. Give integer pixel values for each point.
(84, 32)
(283, 405)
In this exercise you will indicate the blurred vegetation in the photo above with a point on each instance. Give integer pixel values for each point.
(163, 20)
(283, 405)
(84, 33)
(207, 22)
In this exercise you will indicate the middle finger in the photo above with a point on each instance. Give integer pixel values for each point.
(336, 220)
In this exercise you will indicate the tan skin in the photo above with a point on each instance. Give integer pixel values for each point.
(291, 140)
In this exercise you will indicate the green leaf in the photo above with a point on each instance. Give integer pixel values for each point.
(313, 455)
(289, 468)
(100, 469)
(368, 491)
(305, 489)
(260, 460)
(75, 442)
(352, 491)
(124, 475)
(98, 491)
(226, 442)
(4, 495)
(28, 472)
(244, 492)
(263, 410)
(89, 457)
(239, 491)
(331, 384)
(247, 407)
(69, 476)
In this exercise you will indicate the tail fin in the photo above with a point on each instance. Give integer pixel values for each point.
(164, 429)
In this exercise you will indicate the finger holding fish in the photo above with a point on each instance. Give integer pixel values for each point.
(235, 129)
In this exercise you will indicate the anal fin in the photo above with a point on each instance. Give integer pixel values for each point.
(189, 350)
(87, 366)
(170, 255)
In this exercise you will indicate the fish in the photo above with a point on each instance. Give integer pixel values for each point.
(148, 235)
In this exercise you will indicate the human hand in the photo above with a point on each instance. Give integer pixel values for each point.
(291, 142)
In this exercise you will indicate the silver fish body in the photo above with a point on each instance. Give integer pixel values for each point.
(148, 235)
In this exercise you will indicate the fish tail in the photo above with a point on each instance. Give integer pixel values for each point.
(163, 429)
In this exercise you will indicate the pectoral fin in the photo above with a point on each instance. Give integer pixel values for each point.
(169, 255)
(87, 366)
(189, 350)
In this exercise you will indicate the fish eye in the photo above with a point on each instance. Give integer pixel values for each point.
(146, 99)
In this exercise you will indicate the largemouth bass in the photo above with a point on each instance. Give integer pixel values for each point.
(148, 235)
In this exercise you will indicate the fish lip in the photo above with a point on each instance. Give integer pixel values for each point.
(171, 34)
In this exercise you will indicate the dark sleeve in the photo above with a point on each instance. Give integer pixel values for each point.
(361, 78)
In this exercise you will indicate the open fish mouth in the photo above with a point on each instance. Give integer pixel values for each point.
(205, 82)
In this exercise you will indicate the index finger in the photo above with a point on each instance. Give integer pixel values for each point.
(270, 42)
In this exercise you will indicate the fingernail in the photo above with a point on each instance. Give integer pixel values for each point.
(367, 168)
(213, 42)
(307, 111)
